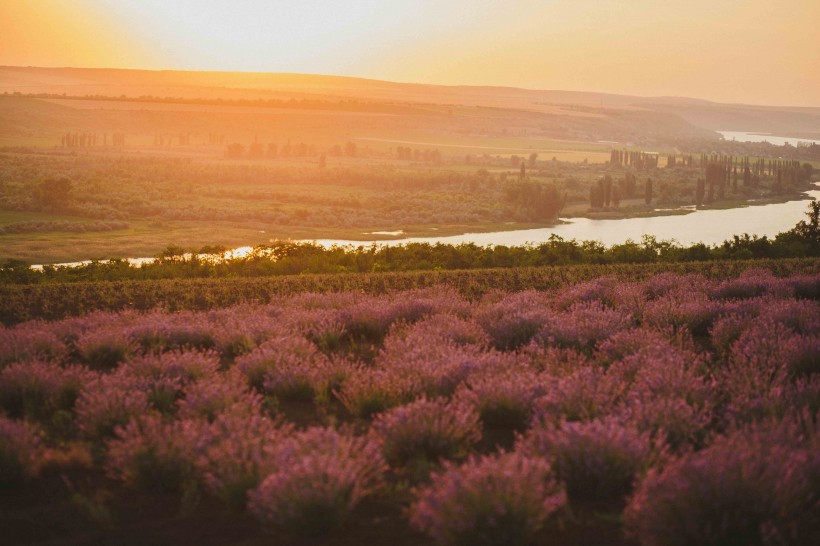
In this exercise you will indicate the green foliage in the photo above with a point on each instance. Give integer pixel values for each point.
(53, 193)
(534, 202)
(289, 258)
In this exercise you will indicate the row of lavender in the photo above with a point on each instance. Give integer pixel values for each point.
(689, 404)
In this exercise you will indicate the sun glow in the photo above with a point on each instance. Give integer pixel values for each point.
(642, 47)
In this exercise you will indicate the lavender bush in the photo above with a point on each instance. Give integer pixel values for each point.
(318, 478)
(598, 461)
(499, 500)
(753, 487)
(427, 431)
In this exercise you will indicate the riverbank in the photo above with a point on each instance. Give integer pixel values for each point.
(713, 226)
(636, 208)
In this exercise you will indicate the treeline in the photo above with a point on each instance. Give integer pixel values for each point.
(719, 175)
(805, 151)
(534, 202)
(89, 140)
(606, 193)
(636, 159)
(73, 227)
(722, 172)
(287, 258)
(349, 105)
(256, 149)
(410, 154)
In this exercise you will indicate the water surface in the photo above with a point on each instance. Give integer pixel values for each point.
(696, 226)
(777, 140)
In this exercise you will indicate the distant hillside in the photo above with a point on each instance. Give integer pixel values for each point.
(553, 114)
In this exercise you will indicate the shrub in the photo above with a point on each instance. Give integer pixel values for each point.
(667, 396)
(157, 332)
(684, 311)
(669, 283)
(751, 284)
(105, 349)
(107, 403)
(598, 461)
(600, 290)
(367, 321)
(427, 431)
(512, 322)
(439, 367)
(504, 398)
(629, 342)
(726, 331)
(149, 455)
(287, 366)
(753, 487)
(224, 394)
(367, 392)
(583, 395)
(766, 359)
(30, 341)
(237, 454)
(803, 317)
(19, 445)
(436, 328)
(582, 326)
(164, 377)
(679, 423)
(39, 389)
(185, 366)
(498, 500)
(319, 476)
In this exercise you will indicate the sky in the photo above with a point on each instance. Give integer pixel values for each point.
(745, 51)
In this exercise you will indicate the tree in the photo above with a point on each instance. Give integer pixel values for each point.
(235, 150)
(700, 192)
(607, 190)
(647, 197)
(53, 193)
(596, 195)
(535, 202)
(172, 253)
(616, 195)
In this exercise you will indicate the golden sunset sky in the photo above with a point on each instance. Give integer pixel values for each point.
(750, 51)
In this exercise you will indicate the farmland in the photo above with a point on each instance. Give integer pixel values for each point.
(335, 417)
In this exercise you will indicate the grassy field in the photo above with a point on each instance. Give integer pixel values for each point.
(179, 196)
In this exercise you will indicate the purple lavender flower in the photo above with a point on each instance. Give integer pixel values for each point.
(427, 430)
(498, 500)
(318, 478)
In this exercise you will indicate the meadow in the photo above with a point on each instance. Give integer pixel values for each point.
(62, 204)
(613, 409)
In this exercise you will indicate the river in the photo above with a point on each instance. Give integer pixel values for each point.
(777, 140)
(696, 226)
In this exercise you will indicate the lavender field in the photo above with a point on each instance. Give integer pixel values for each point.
(679, 409)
